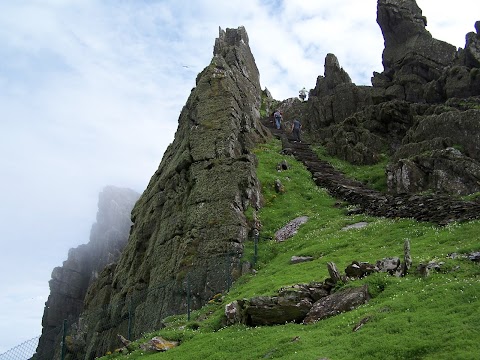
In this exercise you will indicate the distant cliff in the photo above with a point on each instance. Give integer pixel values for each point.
(70, 281)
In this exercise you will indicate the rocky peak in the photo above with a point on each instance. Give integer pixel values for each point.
(334, 75)
(232, 46)
(412, 57)
(472, 48)
(400, 20)
(189, 223)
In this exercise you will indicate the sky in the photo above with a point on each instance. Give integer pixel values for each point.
(91, 92)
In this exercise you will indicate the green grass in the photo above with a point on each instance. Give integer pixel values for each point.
(409, 318)
(371, 175)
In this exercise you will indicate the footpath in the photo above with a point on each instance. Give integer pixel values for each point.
(439, 209)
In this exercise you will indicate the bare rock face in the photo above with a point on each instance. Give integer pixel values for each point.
(472, 48)
(428, 159)
(446, 171)
(190, 223)
(412, 57)
(70, 281)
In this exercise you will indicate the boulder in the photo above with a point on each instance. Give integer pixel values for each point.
(264, 310)
(337, 303)
(234, 312)
(359, 269)
(390, 265)
(158, 344)
(290, 229)
(300, 259)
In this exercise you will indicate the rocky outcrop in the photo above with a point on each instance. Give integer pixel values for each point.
(412, 57)
(300, 303)
(425, 102)
(70, 281)
(190, 223)
(309, 303)
(441, 153)
(333, 99)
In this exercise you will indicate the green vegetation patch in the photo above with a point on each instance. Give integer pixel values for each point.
(371, 175)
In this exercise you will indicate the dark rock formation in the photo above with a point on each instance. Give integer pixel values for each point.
(301, 303)
(333, 99)
(425, 102)
(428, 159)
(412, 57)
(189, 223)
(337, 303)
(70, 282)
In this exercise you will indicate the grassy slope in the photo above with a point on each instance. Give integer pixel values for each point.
(409, 318)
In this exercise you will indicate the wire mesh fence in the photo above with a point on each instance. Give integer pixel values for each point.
(131, 317)
(23, 351)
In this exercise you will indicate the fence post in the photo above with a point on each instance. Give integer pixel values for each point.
(188, 298)
(229, 275)
(255, 246)
(130, 315)
(63, 338)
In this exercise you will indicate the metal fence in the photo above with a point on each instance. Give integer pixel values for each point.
(69, 341)
(23, 351)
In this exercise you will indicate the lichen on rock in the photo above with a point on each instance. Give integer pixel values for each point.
(190, 222)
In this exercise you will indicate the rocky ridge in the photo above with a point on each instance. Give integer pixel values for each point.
(189, 224)
(422, 111)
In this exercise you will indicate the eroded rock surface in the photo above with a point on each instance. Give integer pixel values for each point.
(190, 222)
(424, 102)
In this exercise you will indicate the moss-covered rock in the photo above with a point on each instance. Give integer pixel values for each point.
(189, 224)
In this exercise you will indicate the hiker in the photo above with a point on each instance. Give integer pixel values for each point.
(303, 94)
(296, 126)
(278, 119)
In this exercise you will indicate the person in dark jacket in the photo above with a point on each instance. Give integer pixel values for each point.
(278, 119)
(296, 127)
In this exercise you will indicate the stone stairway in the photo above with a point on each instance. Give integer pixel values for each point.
(438, 209)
